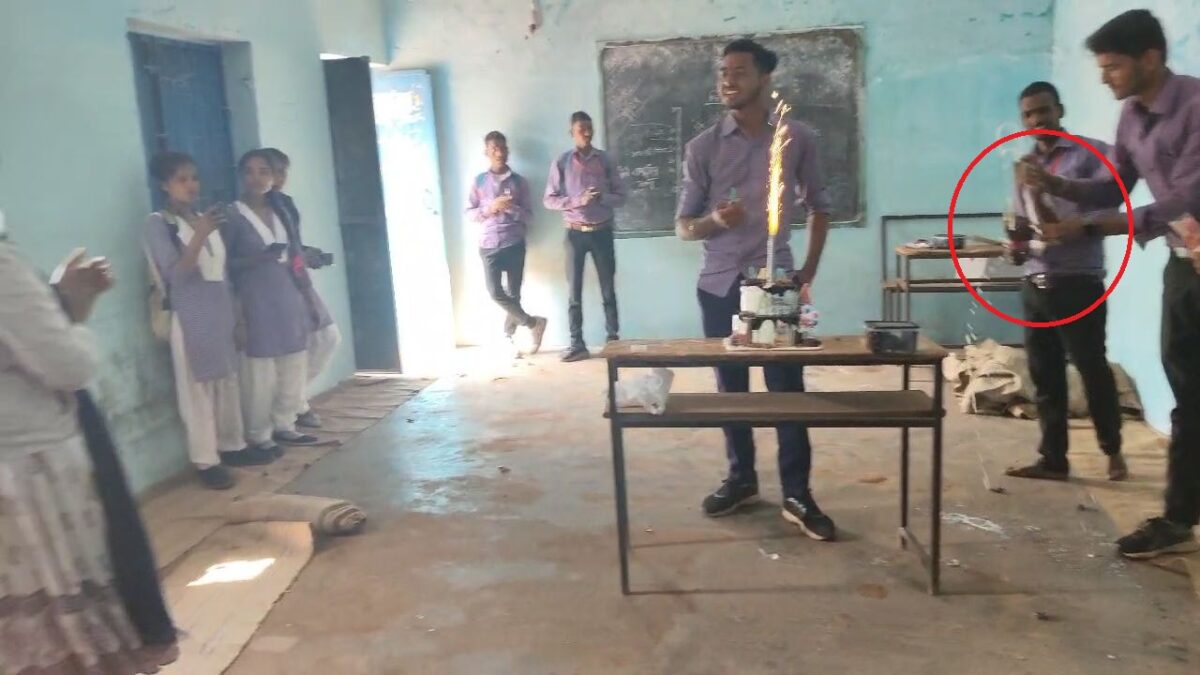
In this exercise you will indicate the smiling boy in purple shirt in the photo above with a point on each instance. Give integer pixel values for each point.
(1060, 281)
(1158, 138)
(723, 203)
(499, 201)
(586, 186)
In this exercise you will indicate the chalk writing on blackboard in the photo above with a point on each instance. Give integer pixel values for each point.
(660, 95)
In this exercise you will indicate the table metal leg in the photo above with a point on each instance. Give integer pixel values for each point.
(618, 454)
(904, 471)
(935, 543)
(907, 290)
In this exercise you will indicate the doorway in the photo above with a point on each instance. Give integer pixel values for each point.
(390, 212)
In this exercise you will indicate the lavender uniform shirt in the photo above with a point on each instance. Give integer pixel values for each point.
(723, 159)
(1160, 144)
(277, 317)
(1083, 256)
(204, 308)
(508, 227)
(570, 177)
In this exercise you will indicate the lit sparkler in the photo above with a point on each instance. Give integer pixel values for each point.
(775, 187)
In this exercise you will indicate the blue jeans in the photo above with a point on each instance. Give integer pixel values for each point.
(795, 451)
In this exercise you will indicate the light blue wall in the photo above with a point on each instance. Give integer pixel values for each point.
(1136, 304)
(352, 28)
(941, 78)
(72, 169)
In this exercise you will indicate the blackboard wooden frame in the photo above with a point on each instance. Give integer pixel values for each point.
(853, 208)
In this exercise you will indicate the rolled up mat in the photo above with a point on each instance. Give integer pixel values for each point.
(327, 516)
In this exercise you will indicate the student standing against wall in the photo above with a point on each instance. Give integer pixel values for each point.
(586, 186)
(325, 337)
(1061, 281)
(1158, 139)
(188, 257)
(499, 202)
(274, 311)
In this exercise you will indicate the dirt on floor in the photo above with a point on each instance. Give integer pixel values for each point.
(491, 549)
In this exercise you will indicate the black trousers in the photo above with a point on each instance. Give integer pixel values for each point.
(599, 244)
(795, 451)
(504, 271)
(1181, 359)
(1083, 342)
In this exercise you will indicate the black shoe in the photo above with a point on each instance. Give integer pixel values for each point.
(612, 338)
(576, 353)
(729, 498)
(805, 514)
(294, 438)
(248, 457)
(1158, 536)
(1040, 470)
(272, 449)
(216, 478)
(309, 420)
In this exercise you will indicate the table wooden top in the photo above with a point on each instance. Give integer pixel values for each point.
(863, 409)
(974, 249)
(838, 350)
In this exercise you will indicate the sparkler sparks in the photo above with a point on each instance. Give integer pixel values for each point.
(775, 187)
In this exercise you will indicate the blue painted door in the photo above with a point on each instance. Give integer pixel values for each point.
(181, 97)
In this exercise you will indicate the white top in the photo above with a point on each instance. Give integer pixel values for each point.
(44, 359)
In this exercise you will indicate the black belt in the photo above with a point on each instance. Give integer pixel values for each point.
(589, 227)
(1047, 281)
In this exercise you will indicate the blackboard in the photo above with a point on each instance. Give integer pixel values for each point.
(660, 95)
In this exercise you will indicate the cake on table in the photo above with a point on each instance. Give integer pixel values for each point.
(773, 314)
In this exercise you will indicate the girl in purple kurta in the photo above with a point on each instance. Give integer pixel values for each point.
(189, 257)
(325, 337)
(276, 315)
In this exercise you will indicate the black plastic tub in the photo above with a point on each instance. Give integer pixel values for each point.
(892, 337)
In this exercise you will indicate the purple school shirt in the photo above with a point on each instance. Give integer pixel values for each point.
(278, 320)
(506, 228)
(1161, 145)
(1084, 256)
(723, 158)
(572, 174)
(204, 308)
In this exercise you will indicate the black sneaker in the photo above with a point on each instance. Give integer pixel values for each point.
(1158, 536)
(729, 498)
(576, 353)
(805, 514)
(613, 338)
(309, 420)
(247, 457)
(216, 478)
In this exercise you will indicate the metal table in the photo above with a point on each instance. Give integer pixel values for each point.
(904, 409)
(898, 291)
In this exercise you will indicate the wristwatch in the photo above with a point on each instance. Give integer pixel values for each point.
(1091, 229)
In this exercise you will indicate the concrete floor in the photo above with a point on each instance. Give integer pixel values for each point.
(467, 568)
